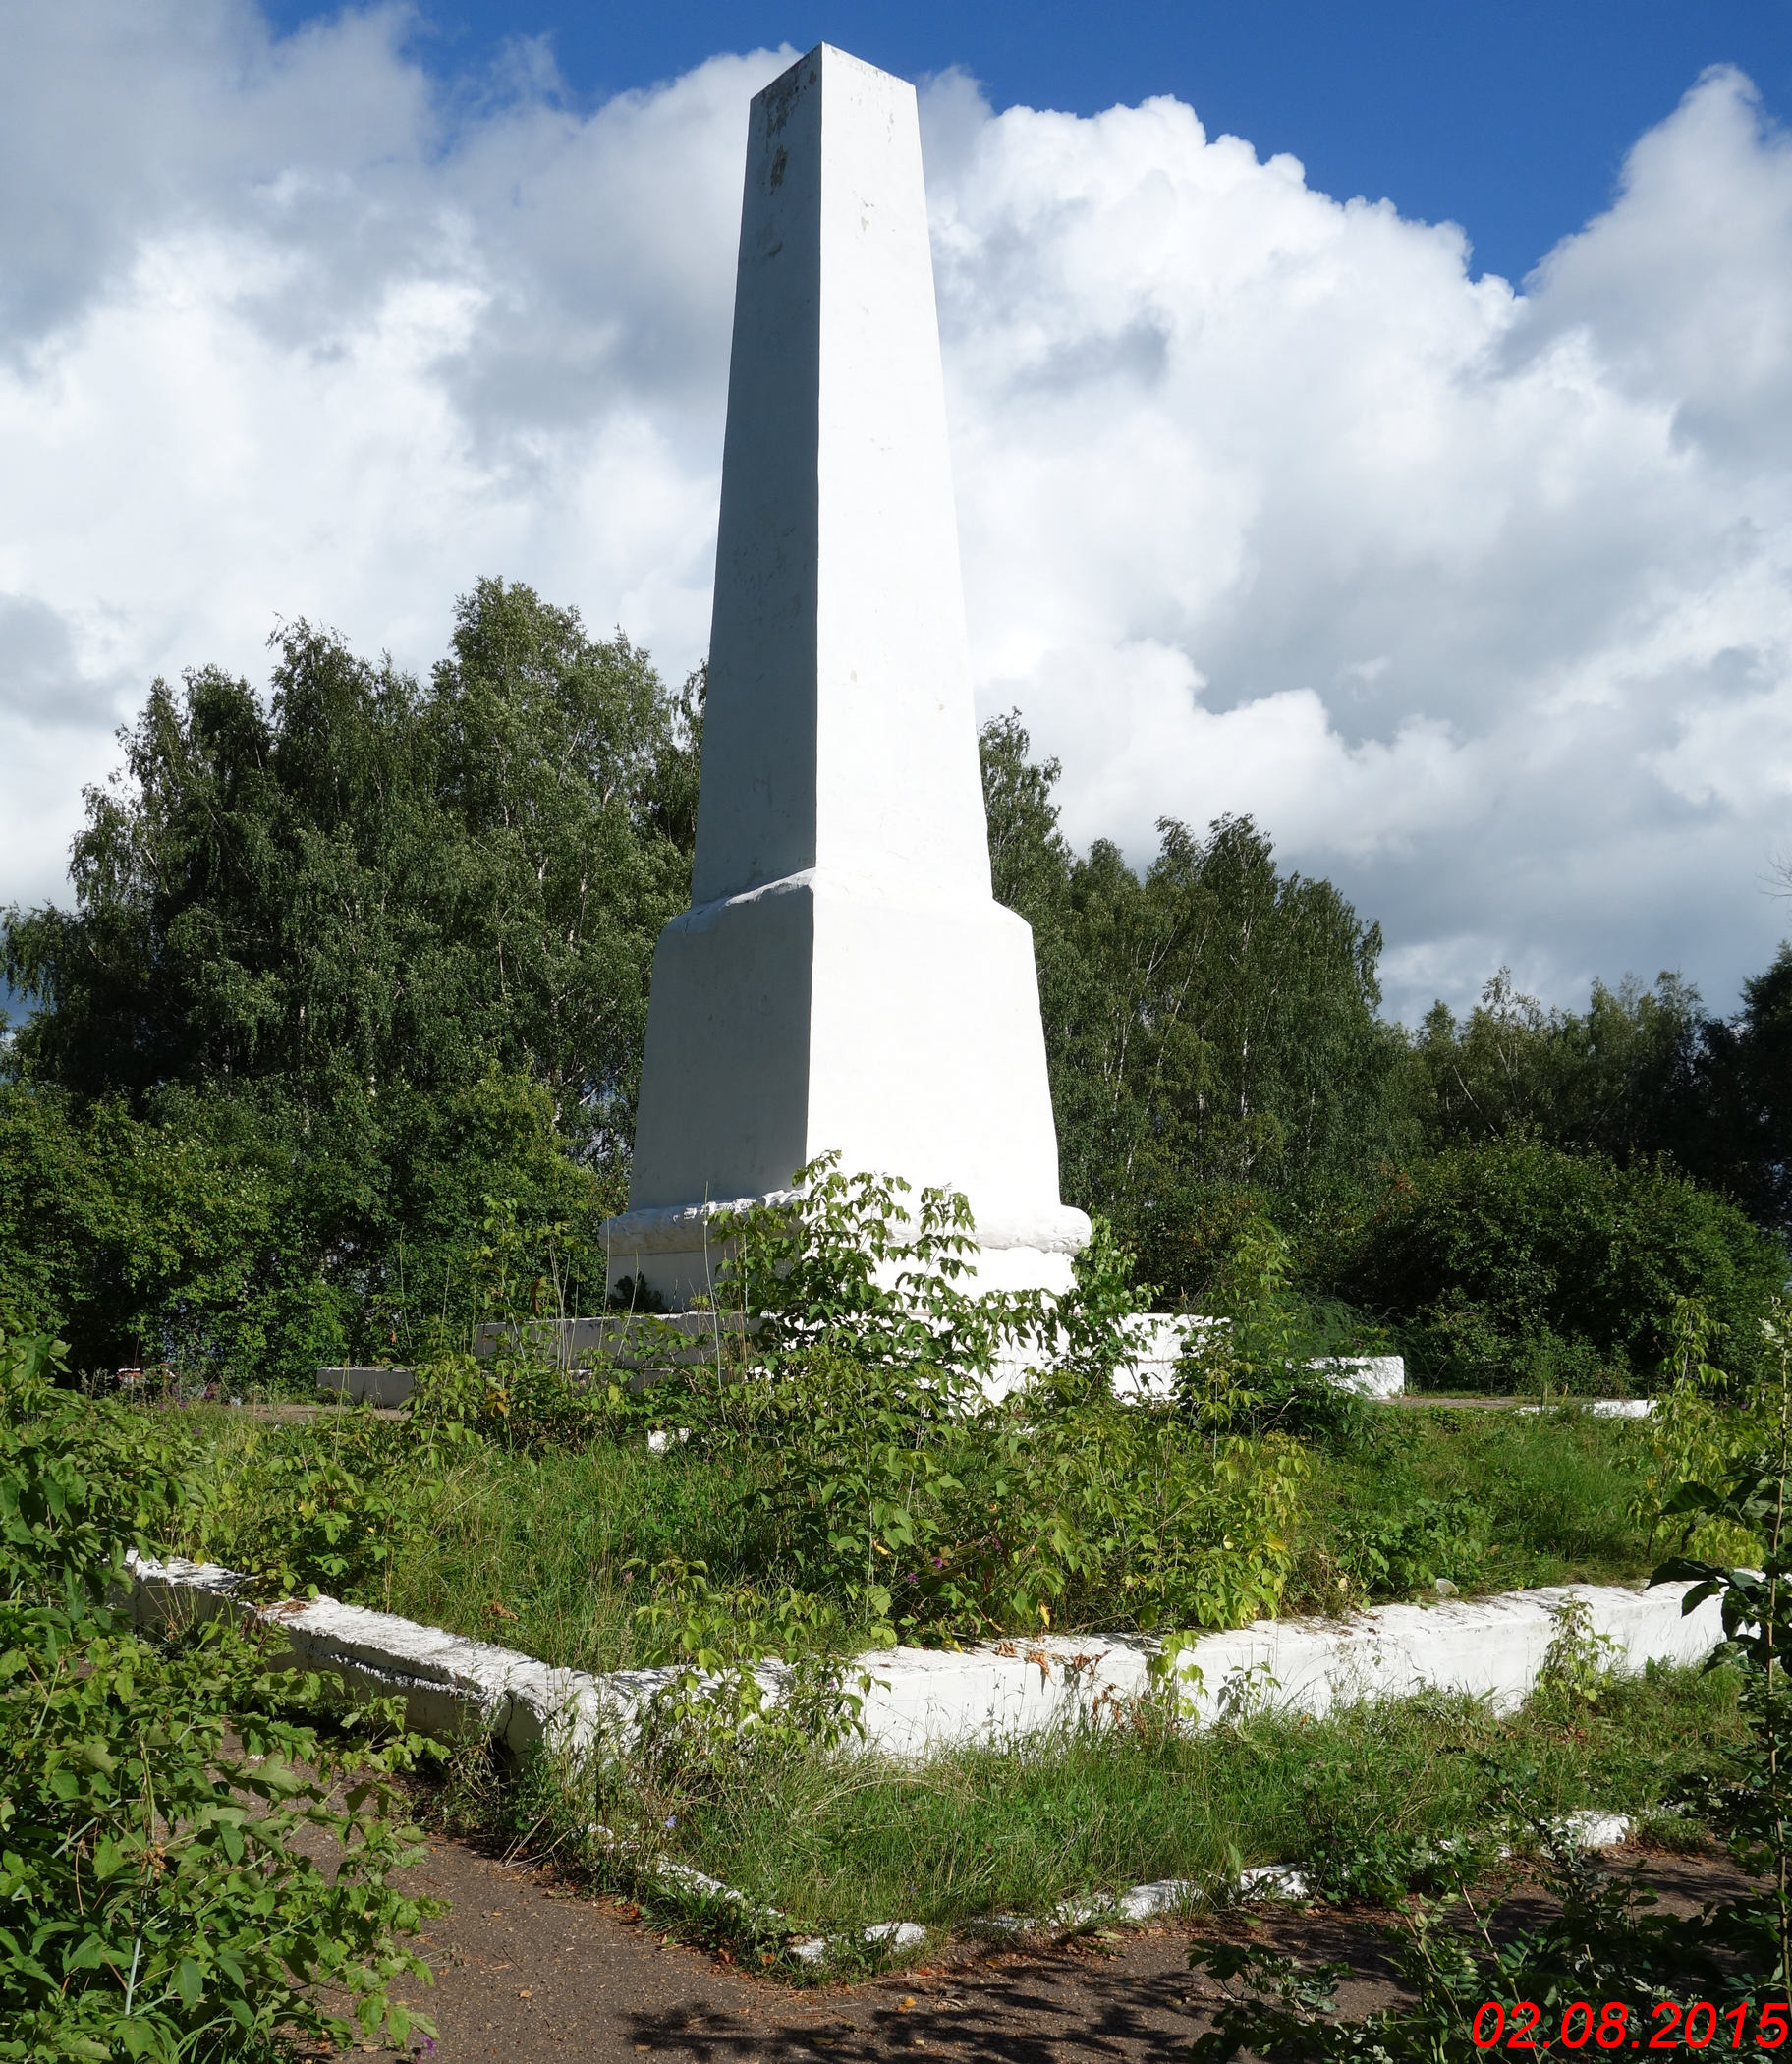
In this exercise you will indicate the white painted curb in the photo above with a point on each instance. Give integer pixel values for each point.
(1490, 1648)
(924, 1698)
(453, 1686)
(1595, 1408)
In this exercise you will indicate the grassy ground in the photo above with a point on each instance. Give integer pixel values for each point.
(536, 1551)
(1488, 1500)
(546, 1551)
(533, 1551)
(1357, 1800)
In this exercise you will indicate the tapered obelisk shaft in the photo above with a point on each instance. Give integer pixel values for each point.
(844, 979)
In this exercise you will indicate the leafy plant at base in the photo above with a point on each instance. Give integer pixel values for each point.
(723, 1644)
(1578, 1663)
(1249, 1371)
(159, 1799)
(1125, 1508)
(1705, 1424)
(329, 1505)
(522, 1398)
(856, 1370)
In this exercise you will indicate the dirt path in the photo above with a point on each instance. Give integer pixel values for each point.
(528, 1970)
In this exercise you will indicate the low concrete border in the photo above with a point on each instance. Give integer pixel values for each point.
(644, 1348)
(1595, 1408)
(457, 1688)
(924, 1698)
(383, 1387)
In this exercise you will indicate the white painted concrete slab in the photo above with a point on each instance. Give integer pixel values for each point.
(1489, 1649)
(1370, 1375)
(644, 1347)
(1597, 1408)
(453, 1687)
(1148, 1376)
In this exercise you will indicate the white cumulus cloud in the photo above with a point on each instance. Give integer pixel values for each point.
(1477, 594)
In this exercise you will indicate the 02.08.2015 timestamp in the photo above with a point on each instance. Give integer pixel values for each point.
(1611, 2025)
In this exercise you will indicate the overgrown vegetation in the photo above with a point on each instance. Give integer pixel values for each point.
(164, 1802)
(834, 1454)
(534, 1550)
(1368, 1803)
(850, 1480)
(1605, 1961)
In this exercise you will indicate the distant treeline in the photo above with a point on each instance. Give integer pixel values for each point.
(337, 1047)
(1519, 1196)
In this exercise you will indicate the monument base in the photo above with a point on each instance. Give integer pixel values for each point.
(655, 1248)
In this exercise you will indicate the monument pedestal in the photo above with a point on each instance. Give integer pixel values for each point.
(823, 1013)
(844, 981)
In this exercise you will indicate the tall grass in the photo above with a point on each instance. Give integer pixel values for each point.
(1488, 1500)
(1359, 1800)
(548, 1551)
(535, 1551)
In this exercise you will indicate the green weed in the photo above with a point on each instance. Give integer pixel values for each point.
(1367, 1803)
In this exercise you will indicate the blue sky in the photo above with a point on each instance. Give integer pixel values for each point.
(1510, 119)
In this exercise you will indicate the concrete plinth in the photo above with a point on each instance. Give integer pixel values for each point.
(844, 981)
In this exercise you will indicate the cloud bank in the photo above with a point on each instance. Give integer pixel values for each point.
(1478, 596)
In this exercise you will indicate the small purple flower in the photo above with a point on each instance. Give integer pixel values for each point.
(671, 1820)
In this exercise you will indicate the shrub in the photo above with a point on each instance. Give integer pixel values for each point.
(1515, 1266)
(156, 1241)
(328, 1505)
(158, 1893)
(1256, 1370)
(237, 1239)
(893, 1485)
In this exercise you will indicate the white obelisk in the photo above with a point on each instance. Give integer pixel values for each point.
(844, 978)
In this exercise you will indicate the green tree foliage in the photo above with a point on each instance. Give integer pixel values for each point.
(1741, 1135)
(364, 884)
(250, 1246)
(1514, 1264)
(344, 1023)
(1612, 1080)
(1638, 1073)
(343, 966)
(1211, 1024)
